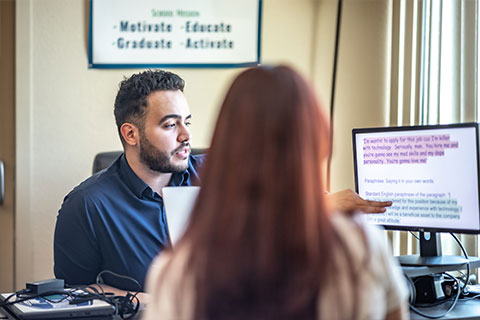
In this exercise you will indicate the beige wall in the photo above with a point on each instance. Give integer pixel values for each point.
(64, 110)
(362, 97)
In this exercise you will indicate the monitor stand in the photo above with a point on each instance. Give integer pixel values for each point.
(430, 254)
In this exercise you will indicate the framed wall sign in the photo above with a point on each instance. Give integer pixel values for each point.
(180, 33)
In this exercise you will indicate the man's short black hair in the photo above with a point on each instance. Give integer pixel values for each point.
(131, 99)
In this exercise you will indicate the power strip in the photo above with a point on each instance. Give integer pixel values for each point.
(41, 287)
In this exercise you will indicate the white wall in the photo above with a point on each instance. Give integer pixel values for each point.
(362, 96)
(65, 110)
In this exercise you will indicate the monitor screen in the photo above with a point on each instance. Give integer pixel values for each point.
(431, 173)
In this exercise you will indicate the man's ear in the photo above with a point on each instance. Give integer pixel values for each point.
(130, 133)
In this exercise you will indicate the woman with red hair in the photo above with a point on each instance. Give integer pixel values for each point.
(262, 242)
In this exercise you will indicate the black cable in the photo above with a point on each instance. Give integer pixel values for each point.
(472, 298)
(411, 289)
(99, 279)
(92, 293)
(5, 302)
(454, 303)
(414, 235)
(468, 262)
(334, 83)
(126, 306)
(462, 273)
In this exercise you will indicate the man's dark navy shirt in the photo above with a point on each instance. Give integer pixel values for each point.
(113, 221)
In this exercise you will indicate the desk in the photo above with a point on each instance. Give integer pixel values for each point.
(424, 271)
(4, 315)
(464, 310)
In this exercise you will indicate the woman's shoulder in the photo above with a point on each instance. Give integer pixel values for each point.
(366, 254)
(167, 267)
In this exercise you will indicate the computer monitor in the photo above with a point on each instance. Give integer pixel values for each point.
(431, 173)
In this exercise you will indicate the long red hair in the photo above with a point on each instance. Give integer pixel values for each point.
(260, 237)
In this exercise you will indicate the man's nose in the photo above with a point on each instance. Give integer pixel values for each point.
(184, 134)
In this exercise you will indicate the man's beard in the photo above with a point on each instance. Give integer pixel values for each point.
(159, 160)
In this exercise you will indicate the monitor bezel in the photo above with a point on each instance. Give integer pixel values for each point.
(474, 125)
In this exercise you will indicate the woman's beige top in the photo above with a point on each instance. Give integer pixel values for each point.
(381, 286)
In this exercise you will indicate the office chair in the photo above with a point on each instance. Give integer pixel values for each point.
(104, 159)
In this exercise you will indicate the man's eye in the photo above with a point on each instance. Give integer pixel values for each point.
(188, 124)
(170, 125)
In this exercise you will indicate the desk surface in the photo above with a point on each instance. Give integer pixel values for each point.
(423, 271)
(4, 315)
(465, 309)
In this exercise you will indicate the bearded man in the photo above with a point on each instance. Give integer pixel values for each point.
(115, 220)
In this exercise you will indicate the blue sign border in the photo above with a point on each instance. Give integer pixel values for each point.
(92, 65)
